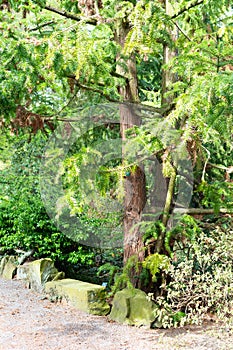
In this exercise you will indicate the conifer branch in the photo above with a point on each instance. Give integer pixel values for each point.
(41, 26)
(69, 15)
(185, 9)
(181, 30)
(94, 89)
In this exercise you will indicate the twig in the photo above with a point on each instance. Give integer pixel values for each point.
(205, 165)
(62, 109)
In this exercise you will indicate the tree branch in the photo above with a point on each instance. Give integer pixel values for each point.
(41, 26)
(93, 89)
(114, 74)
(198, 2)
(222, 167)
(100, 92)
(69, 15)
(181, 30)
(118, 75)
(201, 211)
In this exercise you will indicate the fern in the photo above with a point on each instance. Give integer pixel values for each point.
(108, 270)
(156, 263)
(152, 231)
(123, 280)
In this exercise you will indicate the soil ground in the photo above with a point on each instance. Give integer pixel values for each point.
(30, 322)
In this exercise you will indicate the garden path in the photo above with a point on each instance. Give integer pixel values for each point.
(30, 322)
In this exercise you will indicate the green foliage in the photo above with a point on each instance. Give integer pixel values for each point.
(200, 278)
(156, 263)
(182, 235)
(214, 194)
(202, 281)
(152, 230)
(55, 66)
(108, 271)
(81, 256)
(165, 316)
(24, 223)
(71, 6)
(91, 188)
(149, 79)
(123, 279)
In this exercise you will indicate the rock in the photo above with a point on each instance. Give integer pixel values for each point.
(38, 272)
(132, 306)
(42, 271)
(25, 256)
(8, 267)
(23, 272)
(82, 295)
(59, 276)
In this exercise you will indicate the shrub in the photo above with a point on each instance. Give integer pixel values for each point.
(24, 223)
(202, 282)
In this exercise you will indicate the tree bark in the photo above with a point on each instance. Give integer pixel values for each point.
(168, 53)
(135, 183)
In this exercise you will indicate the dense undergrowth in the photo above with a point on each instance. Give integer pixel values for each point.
(196, 281)
(194, 276)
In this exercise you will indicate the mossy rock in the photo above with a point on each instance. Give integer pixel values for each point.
(8, 266)
(38, 272)
(85, 296)
(132, 306)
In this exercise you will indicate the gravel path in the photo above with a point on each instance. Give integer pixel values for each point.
(29, 322)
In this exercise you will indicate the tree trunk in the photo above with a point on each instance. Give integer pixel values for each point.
(135, 183)
(168, 54)
(134, 200)
(167, 79)
(135, 194)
